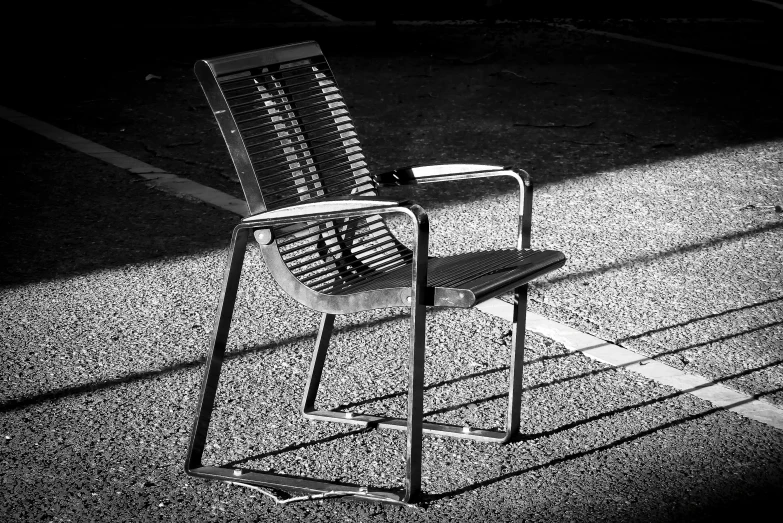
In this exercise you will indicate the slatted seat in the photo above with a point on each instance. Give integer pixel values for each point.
(315, 211)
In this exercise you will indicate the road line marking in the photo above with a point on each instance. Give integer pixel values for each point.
(672, 47)
(619, 357)
(771, 4)
(156, 177)
(572, 339)
(315, 10)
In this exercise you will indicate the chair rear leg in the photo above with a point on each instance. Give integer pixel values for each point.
(317, 363)
(517, 358)
(218, 348)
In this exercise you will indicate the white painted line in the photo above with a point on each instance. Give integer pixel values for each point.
(771, 4)
(572, 339)
(672, 47)
(157, 178)
(603, 351)
(315, 10)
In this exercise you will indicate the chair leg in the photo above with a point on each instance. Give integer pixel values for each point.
(414, 427)
(193, 462)
(517, 358)
(218, 348)
(317, 363)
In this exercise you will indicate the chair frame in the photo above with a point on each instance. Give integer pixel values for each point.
(416, 297)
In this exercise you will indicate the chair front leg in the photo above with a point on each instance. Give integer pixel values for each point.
(217, 350)
(517, 359)
(416, 360)
(415, 403)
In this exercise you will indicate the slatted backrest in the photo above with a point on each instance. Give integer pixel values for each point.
(292, 139)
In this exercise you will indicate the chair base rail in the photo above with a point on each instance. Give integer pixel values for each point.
(299, 484)
(438, 429)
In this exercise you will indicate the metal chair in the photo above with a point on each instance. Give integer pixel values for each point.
(316, 214)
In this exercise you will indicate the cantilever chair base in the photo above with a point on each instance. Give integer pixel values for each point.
(436, 429)
(301, 485)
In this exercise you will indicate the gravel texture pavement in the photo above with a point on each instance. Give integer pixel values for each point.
(664, 203)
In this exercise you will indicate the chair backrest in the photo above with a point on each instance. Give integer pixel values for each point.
(292, 139)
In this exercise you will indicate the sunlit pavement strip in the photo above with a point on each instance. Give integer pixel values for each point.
(572, 339)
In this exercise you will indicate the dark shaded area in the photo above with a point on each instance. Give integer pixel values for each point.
(414, 93)
(65, 213)
(490, 10)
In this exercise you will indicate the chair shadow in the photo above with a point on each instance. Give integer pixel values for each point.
(694, 320)
(661, 255)
(63, 392)
(547, 433)
(614, 367)
(558, 381)
(297, 446)
(619, 441)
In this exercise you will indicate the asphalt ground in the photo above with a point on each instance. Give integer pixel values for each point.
(664, 204)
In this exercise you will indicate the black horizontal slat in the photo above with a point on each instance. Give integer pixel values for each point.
(302, 131)
(349, 249)
(348, 284)
(331, 189)
(325, 181)
(469, 271)
(278, 84)
(300, 238)
(283, 92)
(311, 147)
(349, 274)
(333, 236)
(332, 192)
(270, 73)
(287, 119)
(320, 161)
(322, 176)
(299, 122)
(314, 105)
(335, 94)
(324, 272)
(287, 87)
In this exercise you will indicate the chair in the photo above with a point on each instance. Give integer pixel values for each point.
(317, 216)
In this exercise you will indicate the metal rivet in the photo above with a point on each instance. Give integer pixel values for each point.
(409, 299)
(237, 472)
(349, 415)
(465, 429)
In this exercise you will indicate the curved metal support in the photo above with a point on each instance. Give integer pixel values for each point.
(452, 172)
(329, 303)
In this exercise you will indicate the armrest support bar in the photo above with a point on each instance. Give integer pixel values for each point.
(451, 172)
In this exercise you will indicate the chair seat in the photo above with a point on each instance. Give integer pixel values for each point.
(465, 280)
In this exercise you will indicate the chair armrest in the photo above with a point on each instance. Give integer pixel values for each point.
(329, 209)
(462, 171)
(325, 209)
(441, 173)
